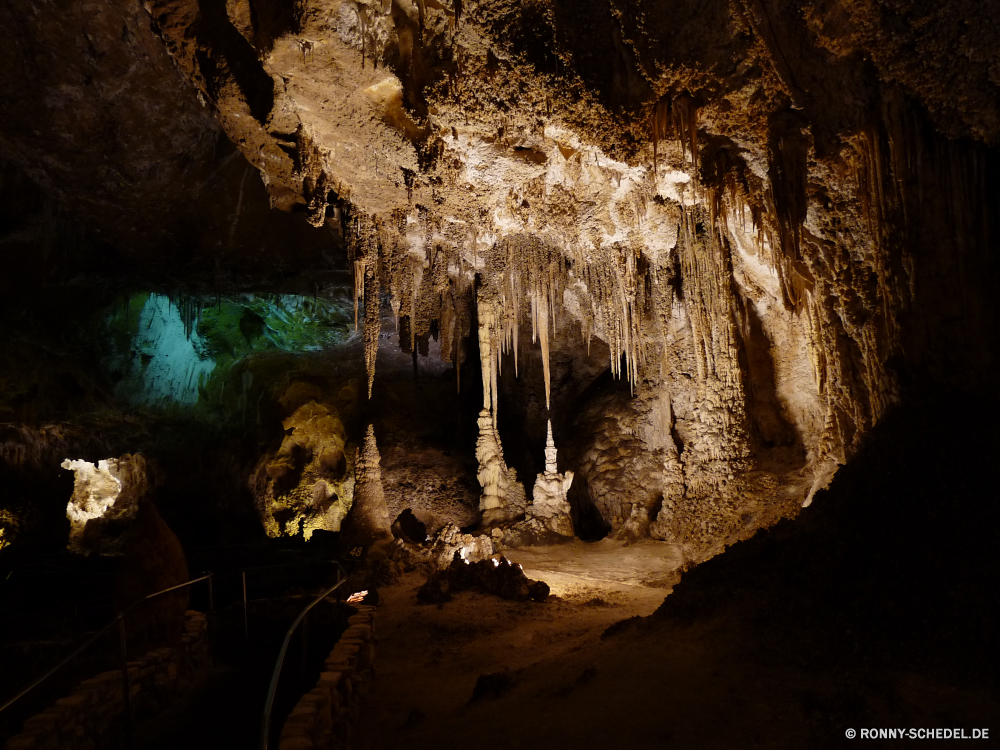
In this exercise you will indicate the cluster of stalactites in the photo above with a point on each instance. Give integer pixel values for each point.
(525, 275)
(615, 278)
(682, 114)
(522, 273)
(420, 265)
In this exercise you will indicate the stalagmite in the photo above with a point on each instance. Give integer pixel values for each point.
(549, 504)
(369, 518)
(673, 479)
(503, 496)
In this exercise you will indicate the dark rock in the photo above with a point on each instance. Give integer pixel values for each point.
(492, 686)
(496, 576)
(408, 528)
(154, 560)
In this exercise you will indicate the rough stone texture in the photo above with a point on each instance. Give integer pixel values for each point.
(105, 502)
(308, 483)
(322, 718)
(153, 560)
(778, 218)
(369, 518)
(503, 496)
(494, 575)
(430, 484)
(88, 717)
(548, 499)
(96, 111)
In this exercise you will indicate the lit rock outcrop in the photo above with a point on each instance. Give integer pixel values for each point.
(308, 483)
(105, 501)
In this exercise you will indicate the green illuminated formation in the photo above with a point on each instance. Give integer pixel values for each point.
(164, 353)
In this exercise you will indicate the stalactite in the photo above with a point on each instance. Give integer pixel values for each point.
(543, 331)
(373, 322)
(364, 255)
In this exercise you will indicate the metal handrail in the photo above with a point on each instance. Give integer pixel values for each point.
(120, 621)
(273, 688)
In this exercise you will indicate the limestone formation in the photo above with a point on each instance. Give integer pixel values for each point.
(549, 504)
(503, 496)
(494, 575)
(369, 519)
(308, 483)
(105, 500)
(771, 221)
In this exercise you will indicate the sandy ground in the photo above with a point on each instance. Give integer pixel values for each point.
(430, 657)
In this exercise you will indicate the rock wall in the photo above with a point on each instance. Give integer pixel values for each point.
(91, 715)
(323, 716)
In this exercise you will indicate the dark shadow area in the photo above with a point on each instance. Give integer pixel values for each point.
(239, 59)
(891, 572)
(779, 445)
(588, 523)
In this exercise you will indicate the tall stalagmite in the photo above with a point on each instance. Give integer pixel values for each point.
(369, 517)
(548, 503)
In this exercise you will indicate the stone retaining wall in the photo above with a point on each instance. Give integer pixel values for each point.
(322, 718)
(90, 717)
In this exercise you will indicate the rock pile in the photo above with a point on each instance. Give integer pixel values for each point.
(494, 576)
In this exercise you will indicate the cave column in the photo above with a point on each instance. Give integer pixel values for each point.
(499, 501)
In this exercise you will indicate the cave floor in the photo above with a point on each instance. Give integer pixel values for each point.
(431, 657)
(566, 678)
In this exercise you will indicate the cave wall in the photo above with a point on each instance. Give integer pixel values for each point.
(777, 220)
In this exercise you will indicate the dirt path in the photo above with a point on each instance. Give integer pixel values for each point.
(430, 657)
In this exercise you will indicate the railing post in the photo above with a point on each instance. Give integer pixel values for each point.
(126, 697)
(265, 734)
(246, 628)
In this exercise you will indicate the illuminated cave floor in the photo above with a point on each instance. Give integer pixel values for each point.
(430, 657)
(573, 678)
(875, 608)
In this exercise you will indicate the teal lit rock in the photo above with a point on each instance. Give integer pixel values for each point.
(167, 353)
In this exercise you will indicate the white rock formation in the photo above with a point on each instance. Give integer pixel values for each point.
(549, 504)
(104, 494)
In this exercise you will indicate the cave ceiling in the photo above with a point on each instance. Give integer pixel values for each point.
(764, 212)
